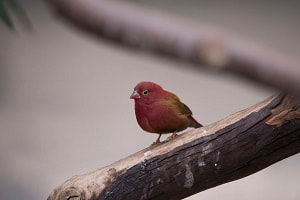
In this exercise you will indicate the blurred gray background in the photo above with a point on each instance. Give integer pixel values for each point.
(64, 96)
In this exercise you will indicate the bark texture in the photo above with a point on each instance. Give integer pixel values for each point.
(230, 149)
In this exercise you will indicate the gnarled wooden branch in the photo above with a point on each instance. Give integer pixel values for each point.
(235, 147)
(151, 30)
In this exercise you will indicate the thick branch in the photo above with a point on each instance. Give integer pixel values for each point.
(150, 30)
(230, 149)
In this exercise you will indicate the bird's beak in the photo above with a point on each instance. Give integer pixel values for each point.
(135, 95)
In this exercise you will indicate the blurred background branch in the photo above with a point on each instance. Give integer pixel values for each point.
(150, 30)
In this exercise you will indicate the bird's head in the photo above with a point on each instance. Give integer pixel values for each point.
(146, 92)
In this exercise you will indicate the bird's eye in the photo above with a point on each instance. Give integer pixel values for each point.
(145, 92)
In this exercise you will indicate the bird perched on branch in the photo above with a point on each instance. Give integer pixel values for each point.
(159, 111)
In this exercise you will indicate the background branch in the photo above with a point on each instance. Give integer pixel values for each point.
(150, 30)
(235, 147)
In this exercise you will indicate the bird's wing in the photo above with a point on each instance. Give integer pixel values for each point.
(181, 107)
(186, 110)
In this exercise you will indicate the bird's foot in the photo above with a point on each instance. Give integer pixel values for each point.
(155, 143)
(174, 135)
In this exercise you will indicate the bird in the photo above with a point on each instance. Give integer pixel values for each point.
(160, 111)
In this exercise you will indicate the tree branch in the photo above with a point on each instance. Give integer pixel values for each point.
(235, 147)
(151, 30)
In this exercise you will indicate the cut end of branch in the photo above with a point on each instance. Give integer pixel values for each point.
(288, 109)
(71, 193)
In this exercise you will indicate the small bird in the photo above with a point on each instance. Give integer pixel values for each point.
(160, 111)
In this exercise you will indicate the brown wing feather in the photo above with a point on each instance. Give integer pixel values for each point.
(184, 109)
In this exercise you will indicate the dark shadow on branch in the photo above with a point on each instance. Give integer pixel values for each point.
(230, 149)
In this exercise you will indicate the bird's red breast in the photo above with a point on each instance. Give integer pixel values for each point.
(160, 111)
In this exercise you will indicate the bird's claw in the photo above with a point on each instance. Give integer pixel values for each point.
(174, 135)
(155, 143)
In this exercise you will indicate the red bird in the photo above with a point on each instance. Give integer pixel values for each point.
(159, 111)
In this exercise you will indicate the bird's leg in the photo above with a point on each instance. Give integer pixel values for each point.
(174, 135)
(157, 141)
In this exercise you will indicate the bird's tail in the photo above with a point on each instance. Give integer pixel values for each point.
(194, 123)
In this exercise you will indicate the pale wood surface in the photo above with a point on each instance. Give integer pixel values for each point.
(241, 144)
